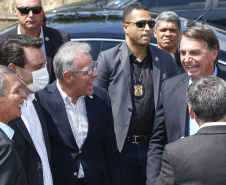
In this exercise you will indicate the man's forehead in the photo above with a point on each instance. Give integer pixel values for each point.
(28, 2)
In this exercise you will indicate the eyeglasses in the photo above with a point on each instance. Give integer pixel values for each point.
(142, 23)
(26, 10)
(88, 71)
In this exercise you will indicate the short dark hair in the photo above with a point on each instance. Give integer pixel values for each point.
(207, 97)
(204, 33)
(12, 49)
(168, 16)
(129, 8)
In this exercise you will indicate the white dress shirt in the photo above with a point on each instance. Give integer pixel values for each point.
(32, 122)
(77, 117)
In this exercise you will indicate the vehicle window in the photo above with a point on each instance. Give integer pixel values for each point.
(107, 45)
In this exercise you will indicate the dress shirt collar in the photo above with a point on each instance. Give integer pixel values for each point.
(7, 130)
(214, 74)
(29, 101)
(66, 98)
(213, 124)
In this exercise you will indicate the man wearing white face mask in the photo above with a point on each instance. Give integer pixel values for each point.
(24, 55)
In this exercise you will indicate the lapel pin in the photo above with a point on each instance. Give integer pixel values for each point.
(91, 96)
(156, 59)
(47, 39)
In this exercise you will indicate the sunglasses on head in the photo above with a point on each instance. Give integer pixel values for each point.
(142, 23)
(26, 10)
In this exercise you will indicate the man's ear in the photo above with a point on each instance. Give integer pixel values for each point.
(67, 76)
(191, 112)
(12, 66)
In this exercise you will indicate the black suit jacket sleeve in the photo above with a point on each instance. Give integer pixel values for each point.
(11, 168)
(167, 175)
(157, 142)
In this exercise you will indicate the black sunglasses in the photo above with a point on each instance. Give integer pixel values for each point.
(142, 23)
(26, 10)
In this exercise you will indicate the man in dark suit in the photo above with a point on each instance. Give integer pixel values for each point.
(132, 73)
(80, 123)
(199, 49)
(11, 96)
(24, 55)
(167, 33)
(29, 14)
(200, 159)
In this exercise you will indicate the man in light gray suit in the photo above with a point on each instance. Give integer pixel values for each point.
(132, 72)
(201, 158)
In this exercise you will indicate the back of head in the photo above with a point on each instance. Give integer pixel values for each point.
(204, 33)
(128, 10)
(67, 55)
(3, 71)
(207, 98)
(168, 16)
(11, 50)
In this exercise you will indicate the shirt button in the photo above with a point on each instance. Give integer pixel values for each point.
(39, 169)
(79, 151)
(130, 110)
(75, 174)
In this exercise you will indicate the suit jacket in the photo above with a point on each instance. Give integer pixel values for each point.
(171, 120)
(53, 40)
(115, 76)
(26, 149)
(11, 169)
(99, 146)
(198, 159)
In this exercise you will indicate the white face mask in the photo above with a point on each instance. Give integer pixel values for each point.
(40, 79)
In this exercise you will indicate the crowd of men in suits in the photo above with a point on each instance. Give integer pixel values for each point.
(111, 122)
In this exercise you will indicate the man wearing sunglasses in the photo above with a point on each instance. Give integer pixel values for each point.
(132, 72)
(29, 14)
(80, 123)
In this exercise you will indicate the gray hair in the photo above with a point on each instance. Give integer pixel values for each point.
(168, 16)
(4, 70)
(67, 55)
(207, 97)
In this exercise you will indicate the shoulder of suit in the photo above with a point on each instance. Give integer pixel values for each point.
(53, 31)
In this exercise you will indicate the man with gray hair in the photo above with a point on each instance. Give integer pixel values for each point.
(11, 96)
(80, 120)
(200, 159)
(167, 33)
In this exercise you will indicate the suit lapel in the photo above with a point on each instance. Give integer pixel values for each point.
(182, 103)
(18, 122)
(43, 125)
(61, 120)
(126, 66)
(156, 74)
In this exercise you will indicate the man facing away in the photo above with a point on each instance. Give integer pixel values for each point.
(29, 14)
(11, 97)
(132, 73)
(167, 33)
(201, 158)
(24, 55)
(199, 48)
(80, 123)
